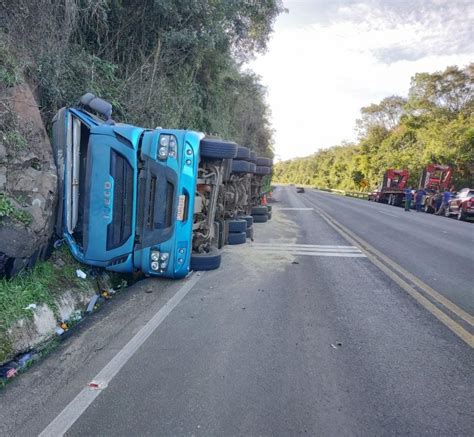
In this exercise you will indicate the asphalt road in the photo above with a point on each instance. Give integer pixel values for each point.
(297, 333)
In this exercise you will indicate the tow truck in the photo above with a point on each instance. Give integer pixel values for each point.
(133, 198)
(391, 189)
(434, 180)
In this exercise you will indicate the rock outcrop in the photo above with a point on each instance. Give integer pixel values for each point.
(28, 182)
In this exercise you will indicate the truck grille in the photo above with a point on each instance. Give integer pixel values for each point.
(120, 229)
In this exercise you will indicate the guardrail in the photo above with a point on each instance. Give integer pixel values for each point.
(356, 194)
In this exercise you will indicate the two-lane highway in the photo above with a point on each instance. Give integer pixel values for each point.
(300, 332)
(438, 250)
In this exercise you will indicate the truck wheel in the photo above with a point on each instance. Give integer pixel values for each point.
(257, 210)
(243, 153)
(263, 170)
(261, 161)
(210, 260)
(237, 225)
(248, 219)
(240, 166)
(237, 237)
(217, 149)
(260, 218)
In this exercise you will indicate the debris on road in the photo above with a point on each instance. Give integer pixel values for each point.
(97, 385)
(92, 302)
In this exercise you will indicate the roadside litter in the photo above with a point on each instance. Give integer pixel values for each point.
(24, 360)
(81, 274)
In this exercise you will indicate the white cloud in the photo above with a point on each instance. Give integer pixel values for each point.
(321, 74)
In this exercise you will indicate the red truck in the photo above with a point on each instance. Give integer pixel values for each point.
(434, 180)
(391, 190)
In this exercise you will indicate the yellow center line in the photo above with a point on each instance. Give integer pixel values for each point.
(374, 255)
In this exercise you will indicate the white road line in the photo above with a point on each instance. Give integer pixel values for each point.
(305, 249)
(294, 209)
(60, 425)
(312, 246)
(387, 213)
(310, 249)
(336, 254)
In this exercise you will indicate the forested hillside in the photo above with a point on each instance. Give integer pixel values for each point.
(433, 124)
(172, 63)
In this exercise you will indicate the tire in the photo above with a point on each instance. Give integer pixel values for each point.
(259, 210)
(243, 153)
(240, 166)
(217, 149)
(261, 161)
(249, 232)
(236, 226)
(253, 167)
(269, 215)
(263, 170)
(206, 261)
(248, 219)
(96, 104)
(260, 218)
(237, 238)
(253, 157)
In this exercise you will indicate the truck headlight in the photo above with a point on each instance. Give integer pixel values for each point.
(155, 255)
(154, 265)
(167, 146)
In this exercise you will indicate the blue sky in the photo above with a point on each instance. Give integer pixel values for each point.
(328, 58)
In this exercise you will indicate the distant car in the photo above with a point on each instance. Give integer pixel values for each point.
(462, 205)
(299, 189)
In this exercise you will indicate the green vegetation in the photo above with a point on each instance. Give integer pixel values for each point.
(8, 209)
(173, 63)
(435, 124)
(10, 71)
(41, 285)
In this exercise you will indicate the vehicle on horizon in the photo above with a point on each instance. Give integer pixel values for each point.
(462, 204)
(133, 198)
(300, 189)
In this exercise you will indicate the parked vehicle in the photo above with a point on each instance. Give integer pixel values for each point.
(133, 198)
(462, 205)
(299, 189)
(434, 180)
(391, 189)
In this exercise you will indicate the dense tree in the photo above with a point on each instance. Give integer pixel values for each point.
(434, 125)
(172, 63)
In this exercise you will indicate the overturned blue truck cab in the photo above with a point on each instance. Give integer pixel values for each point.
(133, 198)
